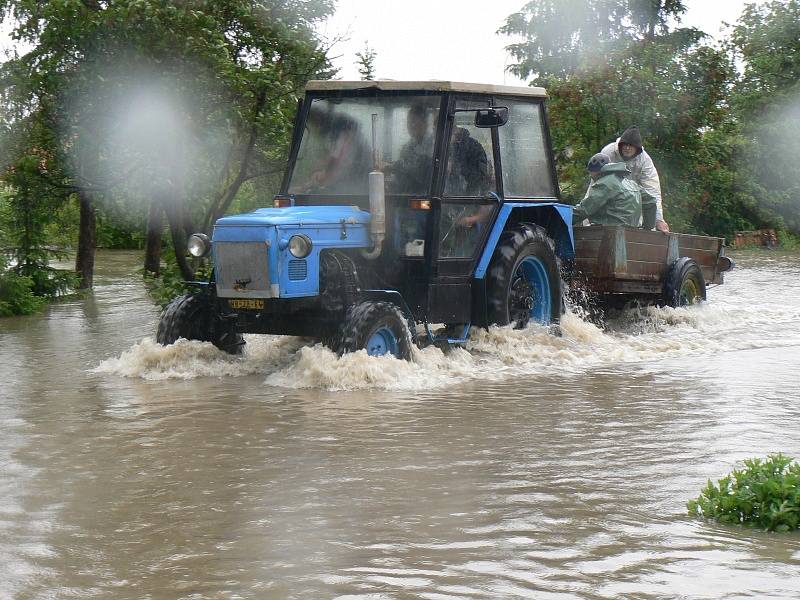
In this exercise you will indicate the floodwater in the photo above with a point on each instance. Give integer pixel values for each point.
(527, 466)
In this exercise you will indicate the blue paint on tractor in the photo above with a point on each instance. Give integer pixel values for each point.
(326, 226)
(533, 271)
(382, 342)
(563, 235)
(297, 215)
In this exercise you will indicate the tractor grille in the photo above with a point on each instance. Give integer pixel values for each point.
(298, 270)
(242, 269)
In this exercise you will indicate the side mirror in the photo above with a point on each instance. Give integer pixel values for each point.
(495, 116)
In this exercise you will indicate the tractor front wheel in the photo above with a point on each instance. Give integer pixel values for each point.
(377, 327)
(193, 317)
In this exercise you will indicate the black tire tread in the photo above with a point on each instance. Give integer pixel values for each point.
(502, 266)
(192, 317)
(678, 272)
(363, 318)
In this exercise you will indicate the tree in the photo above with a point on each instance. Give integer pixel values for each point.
(563, 37)
(766, 39)
(193, 101)
(613, 63)
(366, 63)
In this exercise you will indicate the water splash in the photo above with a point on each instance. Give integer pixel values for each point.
(632, 336)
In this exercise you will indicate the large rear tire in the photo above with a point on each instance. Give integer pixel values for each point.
(524, 279)
(193, 317)
(684, 284)
(377, 327)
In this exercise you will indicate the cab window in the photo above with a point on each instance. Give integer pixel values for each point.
(335, 154)
(523, 152)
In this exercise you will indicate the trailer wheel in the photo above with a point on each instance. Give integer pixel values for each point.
(377, 327)
(193, 317)
(684, 283)
(524, 280)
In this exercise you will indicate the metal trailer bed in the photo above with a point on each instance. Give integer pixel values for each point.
(637, 262)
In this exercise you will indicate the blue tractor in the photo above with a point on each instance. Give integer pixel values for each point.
(409, 212)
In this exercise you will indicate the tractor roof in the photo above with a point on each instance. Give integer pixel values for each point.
(331, 85)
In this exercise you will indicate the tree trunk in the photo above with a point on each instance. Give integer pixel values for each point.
(178, 234)
(87, 242)
(152, 252)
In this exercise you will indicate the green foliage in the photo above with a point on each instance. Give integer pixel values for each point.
(767, 40)
(724, 142)
(764, 494)
(26, 209)
(366, 63)
(767, 98)
(119, 235)
(562, 38)
(788, 241)
(170, 283)
(192, 102)
(16, 295)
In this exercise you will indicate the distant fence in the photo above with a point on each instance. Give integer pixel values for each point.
(760, 237)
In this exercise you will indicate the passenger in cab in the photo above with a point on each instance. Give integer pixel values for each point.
(345, 168)
(613, 198)
(411, 172)
(468, 172)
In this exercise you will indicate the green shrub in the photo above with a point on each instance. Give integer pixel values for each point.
(789, 241)
(16, 294)
(764, 494)
(170, 283)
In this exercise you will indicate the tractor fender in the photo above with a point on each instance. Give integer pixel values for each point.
(393, 297)
(554, 217)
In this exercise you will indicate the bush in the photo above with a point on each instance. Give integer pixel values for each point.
(16, 294)
(789, 241)
(170, 283)
(765, 494)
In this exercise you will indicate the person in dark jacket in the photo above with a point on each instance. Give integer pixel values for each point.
(468, 169)
(411, 172)
(613, 198)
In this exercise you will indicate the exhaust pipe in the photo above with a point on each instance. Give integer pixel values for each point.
(377, 199)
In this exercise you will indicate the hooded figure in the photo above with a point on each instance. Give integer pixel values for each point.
(612, 199)
(642, 169)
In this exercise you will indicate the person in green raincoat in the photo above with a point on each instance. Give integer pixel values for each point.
(612, 198)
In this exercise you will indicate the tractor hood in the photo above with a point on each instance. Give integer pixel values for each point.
(299, 216)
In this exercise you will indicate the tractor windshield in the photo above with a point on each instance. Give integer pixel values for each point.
(335, 155)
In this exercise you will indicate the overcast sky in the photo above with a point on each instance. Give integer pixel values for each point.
(446, 39)
(453, 39)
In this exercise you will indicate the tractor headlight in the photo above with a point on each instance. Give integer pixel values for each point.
(199, 245)
(299, 246)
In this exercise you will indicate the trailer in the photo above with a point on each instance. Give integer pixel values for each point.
(620, 264)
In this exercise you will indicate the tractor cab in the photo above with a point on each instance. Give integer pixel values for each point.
(450, 154)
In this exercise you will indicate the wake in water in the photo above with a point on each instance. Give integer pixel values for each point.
(632, 336)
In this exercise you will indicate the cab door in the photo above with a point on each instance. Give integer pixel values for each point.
(470, 198)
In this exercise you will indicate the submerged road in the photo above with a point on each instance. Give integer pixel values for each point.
(527, 466)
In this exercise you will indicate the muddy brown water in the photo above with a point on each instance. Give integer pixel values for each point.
(527, 466)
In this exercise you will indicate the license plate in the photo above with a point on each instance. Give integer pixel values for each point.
(246, 303)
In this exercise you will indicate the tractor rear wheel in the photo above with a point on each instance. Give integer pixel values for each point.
(524, 279)
(193, 317)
